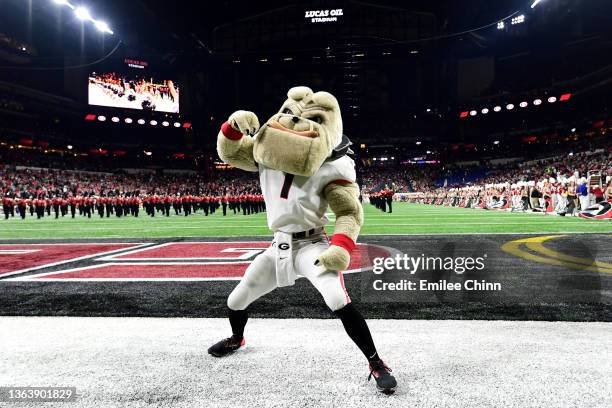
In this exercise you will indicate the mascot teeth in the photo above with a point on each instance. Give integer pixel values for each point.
(307, 133)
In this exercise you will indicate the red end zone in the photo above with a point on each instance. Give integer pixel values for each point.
(199, 261)
(18, 258)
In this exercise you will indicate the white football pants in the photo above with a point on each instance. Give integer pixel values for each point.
(260, 276)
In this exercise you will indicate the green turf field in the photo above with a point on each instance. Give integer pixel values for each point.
(406, 219)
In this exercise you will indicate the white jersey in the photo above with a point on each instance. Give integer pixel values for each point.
(296, 203)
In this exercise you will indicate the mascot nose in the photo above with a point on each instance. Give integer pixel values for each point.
(295, 119)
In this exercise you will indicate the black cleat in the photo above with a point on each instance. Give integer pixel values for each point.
(226, 346)
(385, 382)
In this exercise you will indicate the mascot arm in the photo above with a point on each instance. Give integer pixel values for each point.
(234, 145)
(343, 199)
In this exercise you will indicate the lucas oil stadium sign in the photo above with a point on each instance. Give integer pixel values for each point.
(324, 16)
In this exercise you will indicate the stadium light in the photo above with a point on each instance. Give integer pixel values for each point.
(153, 123)
(69, 147)
(537, 102)
(501, 25)
(82, 13)
(147, 153)
(485, 111)
(101, 118)
(473, 113)
(497, 108)
(510, 106)
(102, 26)
(518, 19)
(523, 104)
(115, 119)
(535, 3)
(141, 121)
(496, 142)
(128, 120)
(177, 124)
(418, 143)
(63, 3)
(552, 99)
(165, 123)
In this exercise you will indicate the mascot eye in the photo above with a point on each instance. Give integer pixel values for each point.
(318, 119)
(288, 111)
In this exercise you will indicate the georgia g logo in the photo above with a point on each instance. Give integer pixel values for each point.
(283, 246)
(599, 211)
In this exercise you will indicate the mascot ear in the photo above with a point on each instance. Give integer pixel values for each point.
(326, 100)
(298, 93)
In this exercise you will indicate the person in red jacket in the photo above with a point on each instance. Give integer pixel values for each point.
(598, 193)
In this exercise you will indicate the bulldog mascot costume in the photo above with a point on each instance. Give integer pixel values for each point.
(301, 156)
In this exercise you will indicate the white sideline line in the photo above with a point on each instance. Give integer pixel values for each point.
(165, 227)
(490, 233)
(208, 238)
(32, 278)
(17, 251)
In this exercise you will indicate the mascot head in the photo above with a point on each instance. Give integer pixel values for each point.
(302, 135)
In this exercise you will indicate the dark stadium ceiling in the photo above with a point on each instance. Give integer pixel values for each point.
(159, 26)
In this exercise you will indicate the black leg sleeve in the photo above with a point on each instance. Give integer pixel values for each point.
(358, 330)
(238, 319)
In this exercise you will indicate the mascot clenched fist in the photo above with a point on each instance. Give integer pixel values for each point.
(301, 156)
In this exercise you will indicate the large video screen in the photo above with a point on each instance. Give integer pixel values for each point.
(131, 91)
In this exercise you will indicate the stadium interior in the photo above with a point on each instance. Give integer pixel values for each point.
(479, 129)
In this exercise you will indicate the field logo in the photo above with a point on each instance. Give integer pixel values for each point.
(599, 211)
(533, 249)
(184, 261)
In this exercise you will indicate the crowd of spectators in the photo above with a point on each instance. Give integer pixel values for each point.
(30, 173)
(30, 183)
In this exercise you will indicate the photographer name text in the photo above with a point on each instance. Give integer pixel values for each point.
(425, 285)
